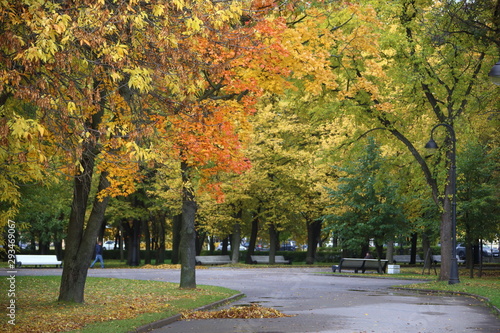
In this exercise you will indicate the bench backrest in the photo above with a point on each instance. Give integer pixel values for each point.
(352, 262)
(213, 258)
(373, 263)
(281, 258)
(29, 258)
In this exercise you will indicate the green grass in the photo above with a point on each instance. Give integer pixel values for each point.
(111, 305)
(488, 287)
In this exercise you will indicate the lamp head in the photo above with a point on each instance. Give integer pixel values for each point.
(494, 74)
(431, 144)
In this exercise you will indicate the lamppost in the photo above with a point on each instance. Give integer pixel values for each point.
(433, 145)
(494, 73)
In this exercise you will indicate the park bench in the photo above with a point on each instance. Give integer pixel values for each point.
(437, 259)
(37, 260)
(213, 260)
(362, 265)
(265, 260)
(406, 258)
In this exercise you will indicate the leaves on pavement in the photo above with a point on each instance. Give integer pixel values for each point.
(241, 312)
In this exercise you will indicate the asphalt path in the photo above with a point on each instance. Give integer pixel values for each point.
(319, 302)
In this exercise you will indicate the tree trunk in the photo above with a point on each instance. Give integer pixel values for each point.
(225, 243)
(134, 244)
(426, 246)
(253, 239)
(313, 237)
(211, 244)
(235, 247)
(200, 241)
(273, 242)
(390, 251)
(80, 241)
(58, 249)
(147, 239)
(187, 247)
(446, 239)
(413, 251)
(160, 256)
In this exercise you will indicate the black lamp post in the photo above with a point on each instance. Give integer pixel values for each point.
(432, 145)
(494, 74)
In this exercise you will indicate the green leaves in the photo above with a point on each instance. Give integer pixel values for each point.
(365, 202)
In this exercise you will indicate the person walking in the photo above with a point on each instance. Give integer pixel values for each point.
(98, 255)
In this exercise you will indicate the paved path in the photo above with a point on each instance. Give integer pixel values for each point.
(320, 302)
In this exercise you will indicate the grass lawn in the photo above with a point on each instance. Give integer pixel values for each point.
(487, 286)
(111, 305)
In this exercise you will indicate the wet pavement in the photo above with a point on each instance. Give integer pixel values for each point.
(320, 302)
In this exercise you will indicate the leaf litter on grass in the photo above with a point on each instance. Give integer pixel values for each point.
(37, 309)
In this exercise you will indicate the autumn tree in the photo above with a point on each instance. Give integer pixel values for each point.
(101, 78)
(419, 66)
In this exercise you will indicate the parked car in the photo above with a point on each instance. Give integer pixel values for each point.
(487, 251)
(109, 245)
(287, 247)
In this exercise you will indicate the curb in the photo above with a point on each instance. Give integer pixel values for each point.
(454, 293)
(167, 321)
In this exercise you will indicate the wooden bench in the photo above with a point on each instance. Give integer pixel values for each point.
(362, 265)
(265, 260)
(213, 260)
(437, 259)
(37, 260)
(406, 258)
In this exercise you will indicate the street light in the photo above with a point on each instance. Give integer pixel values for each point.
(494, 74)
(433, 145)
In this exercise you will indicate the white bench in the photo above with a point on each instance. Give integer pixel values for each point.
(361, 264)
(37, 260)
(265, 260)
(405, 258)
(213, 260)
(437, 259)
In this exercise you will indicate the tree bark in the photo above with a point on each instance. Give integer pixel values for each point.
(446, 237)
(134, 244)
(273, 243)
(390, 251)
(147, 239)
(235, 247)
(313, 237)
(253, 240)
(413, 251)
(80, 241)
(160, 256)
(187, 247)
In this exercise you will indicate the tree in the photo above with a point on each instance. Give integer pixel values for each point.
(44, 211)
(420, 67)
(367, 202)
(478, 195)
(98, 90)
